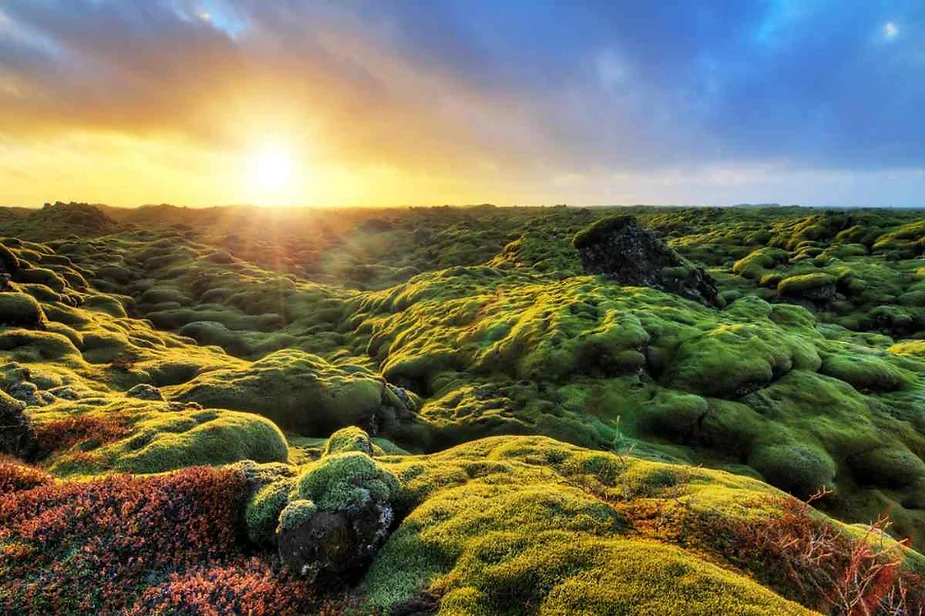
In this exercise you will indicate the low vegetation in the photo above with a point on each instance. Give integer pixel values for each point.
(437, 410)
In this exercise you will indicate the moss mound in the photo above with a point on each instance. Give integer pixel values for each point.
(213, 438)
(298, 391)
(162, 347)
(20, 310)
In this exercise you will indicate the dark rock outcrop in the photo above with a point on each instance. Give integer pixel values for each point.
(17, 436)
(333, 541)
(619, 249)
(143, 391)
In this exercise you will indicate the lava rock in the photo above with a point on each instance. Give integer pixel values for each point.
(815, 291)
(29, 394)
(619, 249)
(332, 541)
(143, 391)
(17, 436)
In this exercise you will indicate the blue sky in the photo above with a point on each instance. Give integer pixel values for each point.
(470, 100)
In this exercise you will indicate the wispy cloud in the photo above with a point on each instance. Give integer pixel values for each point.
(490, 97)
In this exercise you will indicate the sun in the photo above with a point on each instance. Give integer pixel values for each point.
(271, 169)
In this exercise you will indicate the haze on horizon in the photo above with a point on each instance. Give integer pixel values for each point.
(386, 102)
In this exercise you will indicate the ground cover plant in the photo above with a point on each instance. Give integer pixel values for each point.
(439, 410)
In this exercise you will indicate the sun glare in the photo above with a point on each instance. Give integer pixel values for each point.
(272, 169)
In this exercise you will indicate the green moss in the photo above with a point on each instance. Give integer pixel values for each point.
(757, 263)
(298, 391)
(341, 481)
(675, 415)
(41, 275)
(500, 573)
(220, 437)
(795, 286)
(296, 513)
(733, 360)
(893, 467)
(348, 439)
(264, 509)
(505, 522)
(107, 304)
(38, 346)
(799, 469)
(867, 373)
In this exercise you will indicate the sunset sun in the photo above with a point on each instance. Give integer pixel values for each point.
(271, 169)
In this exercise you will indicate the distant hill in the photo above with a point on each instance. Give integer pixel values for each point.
(58, 220)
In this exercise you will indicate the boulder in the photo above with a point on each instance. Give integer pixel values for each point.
(619, 249)
(340, 511)
(143, 391)
(816, 291)
(17, 436)
(313, 541)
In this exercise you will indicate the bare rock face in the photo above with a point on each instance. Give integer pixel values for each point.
(17, 436)
(619, 249)
(333, 541)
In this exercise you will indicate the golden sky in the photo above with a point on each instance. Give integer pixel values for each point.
(209, 102)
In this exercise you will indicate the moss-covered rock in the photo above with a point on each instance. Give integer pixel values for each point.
(298, 391)
(20, 310)
(17, 435)
(799, 469)
(620, 249)
(892, 467)
(339, 513)
(349, 439)
(177, 440)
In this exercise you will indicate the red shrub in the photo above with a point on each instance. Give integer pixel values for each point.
(92, 430)
(16, 475)
(808, 560)
(247, 587)
(93, 547)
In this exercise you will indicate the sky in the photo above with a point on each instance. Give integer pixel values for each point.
(412, 102)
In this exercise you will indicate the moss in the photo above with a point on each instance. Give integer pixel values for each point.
(892, 467)
(8, 260)
(522, 530)
(909, 347)
(348, 439)
(106, 304)
(757, 263)
(867, 373)
(222, 437)
(264, 509)
(675, 415)
(41, 275)
(298, 391)
(345, 480)
(296, 513)
(501, 573)
(733, 360)
(799, 469)
(20, 310)
(795, 286)
(38, 346)
(165, 294)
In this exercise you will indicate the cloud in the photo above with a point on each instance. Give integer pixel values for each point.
(497, 95)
